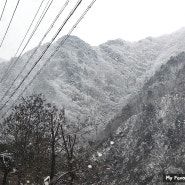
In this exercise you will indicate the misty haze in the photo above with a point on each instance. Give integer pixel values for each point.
(75, 113)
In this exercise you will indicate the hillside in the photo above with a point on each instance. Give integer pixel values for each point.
(93, 83)
(146, 140)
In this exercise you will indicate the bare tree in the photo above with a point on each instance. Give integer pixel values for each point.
(69, 143)
(55, 119)
(42, 141)
(26, 131)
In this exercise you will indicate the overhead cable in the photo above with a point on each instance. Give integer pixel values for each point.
(45, 50)
(49, 59)
(29, 27)
(35, 50)
(3, 9)
(9, 23)
(13, 63)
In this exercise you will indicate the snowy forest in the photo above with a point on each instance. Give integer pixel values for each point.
(111, 114)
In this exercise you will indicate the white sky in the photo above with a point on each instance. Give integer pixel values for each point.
(129, 20)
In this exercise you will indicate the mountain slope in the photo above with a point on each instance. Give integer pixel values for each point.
(150, 141)
(91, 81)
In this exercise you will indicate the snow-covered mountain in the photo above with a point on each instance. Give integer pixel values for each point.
(131, 94)
(146, 140)
(94, 83)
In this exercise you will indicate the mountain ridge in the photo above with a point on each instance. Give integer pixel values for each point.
(130, 95)
(85, 79)
(148, 135)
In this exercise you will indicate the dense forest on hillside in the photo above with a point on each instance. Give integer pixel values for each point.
(107, 115)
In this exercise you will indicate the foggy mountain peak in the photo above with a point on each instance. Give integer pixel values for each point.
(86, 79)
(131, 94)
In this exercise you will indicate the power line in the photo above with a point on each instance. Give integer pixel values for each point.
(51, 26)
(47, 47)
(3, 9)
(13, 63)
(48, 5)
(30, 27)
(47, 32)
(36, 27)
(49, 59)
(10, 23)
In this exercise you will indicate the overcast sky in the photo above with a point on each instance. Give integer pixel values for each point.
(129, 20)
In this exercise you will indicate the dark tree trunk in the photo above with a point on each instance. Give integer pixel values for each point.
(5, 177)
(71, 173)
(52, 173)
